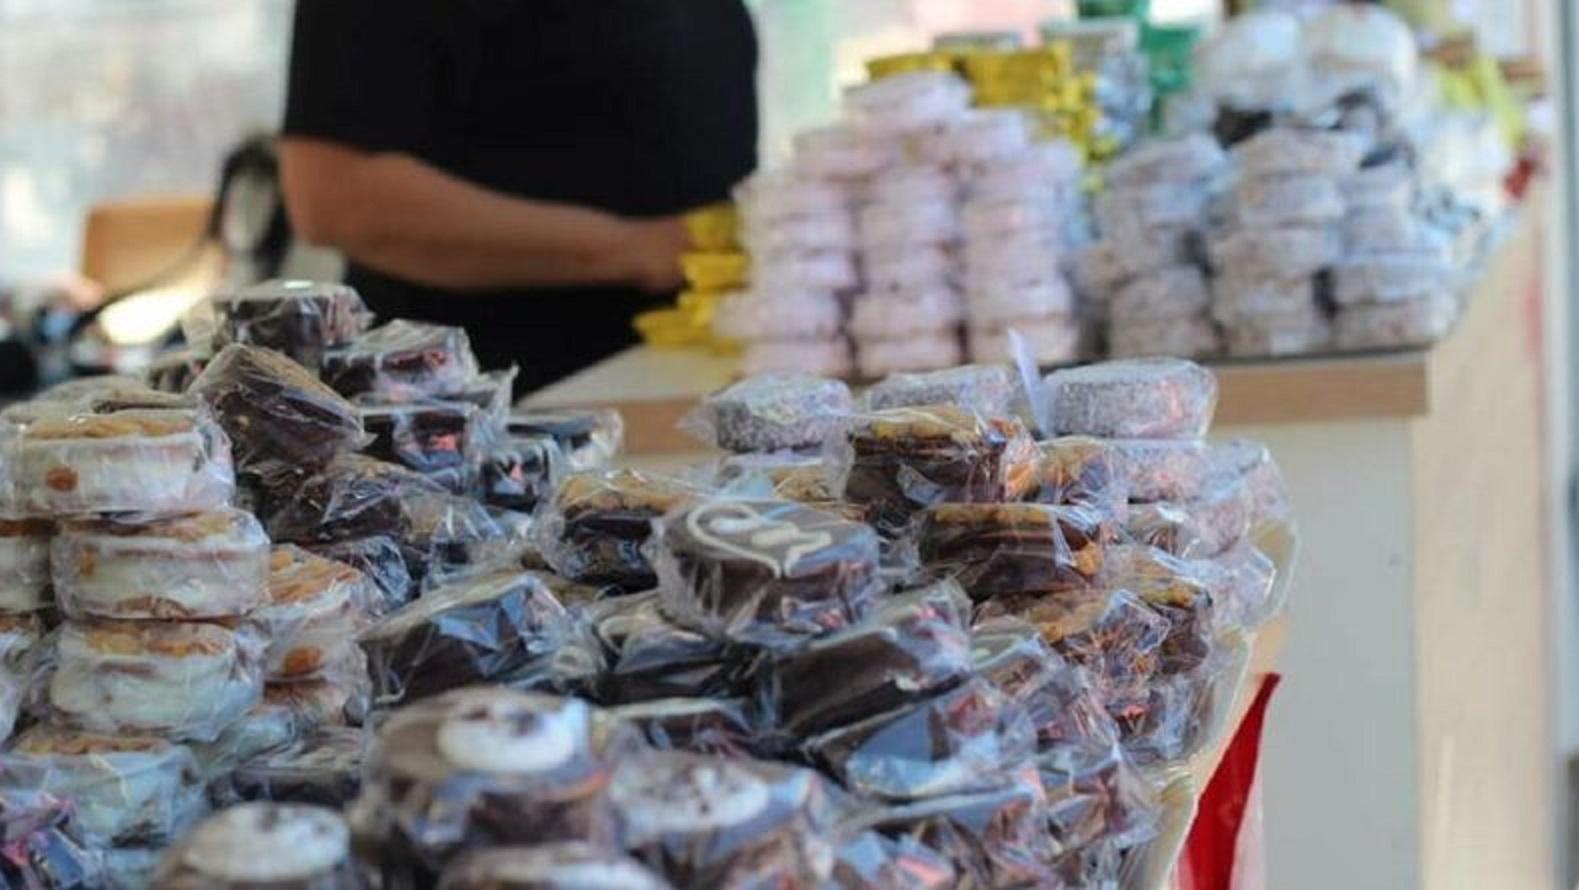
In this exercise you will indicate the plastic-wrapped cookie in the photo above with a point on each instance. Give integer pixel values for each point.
(323, 767)
(474, 630)
(985, 218)
(45, 849)
(993, 549)
(196, 566)
(908, 268)
(402, 359)
(1236, 299)
(314, 610)
(1131, 211)
(1010, 260)
(300, 319)
(841, 151)
(1280, 252)
(595, 528)
(379, 559)
(774, 412)
(183, 681)
(994, 303)
(285, 846)
(902, 459)
(441, 440)
(484, 767)
(1392, 277)
(354, 497)
(1165, 469)
(698, 725)
(707, 821)
(873, 861)
(1194, 337)
(1144, 398)
(916, 352)
(764, 572)
(911, 645)
(124, 790)
(834, 230)
(341, 695)
(1056, 340)
(826, 271)
(1045, 166)
(24, 564)
(173, 371)
(767, 196)
(978, 137)
(265, 727)
(898, 225)
(130, 461)
(1285, 150)
(280, 419)
(907, 102)
(590, 437)
(1274, 336)
(519, 472)
(1288, 200)
(1188, 158)
(567, 865)
(896, 314)
(757, 315)
(1175, 292)
(448, 537)
(652, 658)
(828, 356)
(1085, 472)
(1418, 322)
(906, 183)
(988, 390)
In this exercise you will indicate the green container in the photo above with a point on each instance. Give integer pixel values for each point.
(1095, 9)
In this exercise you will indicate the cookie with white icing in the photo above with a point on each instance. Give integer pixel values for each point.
(571, 865)
(24, 564)
(764, 571)
(284, 846)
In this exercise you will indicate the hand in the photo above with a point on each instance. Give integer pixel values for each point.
(653, 248)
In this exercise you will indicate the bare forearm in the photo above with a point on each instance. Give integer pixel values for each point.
(407, 218)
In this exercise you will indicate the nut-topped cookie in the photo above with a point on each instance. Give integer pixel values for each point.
(764, 571)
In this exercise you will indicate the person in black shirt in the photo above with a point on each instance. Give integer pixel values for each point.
(516, 166)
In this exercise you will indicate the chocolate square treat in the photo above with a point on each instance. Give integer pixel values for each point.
(568, 865)
(590, 437)
(441, 440)
(300, 319)
(476, 630)
(595, 529)
(1165, 469)
(280, 419)
(708, 821)
(1080, 471)
(173, 371)
(774, 412)
(1057, 695)
(1179, 591)
(996, 549)
(403, 360)
(910, 645)
(871, 861)
(699, 725)
(354, 497)
(520, 471)
(904, 459)
(651, 658)
(764, 572)
(323, 767)
(955, 742)
(379, 558)
(447, 537)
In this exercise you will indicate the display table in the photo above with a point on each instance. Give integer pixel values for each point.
(1410, 746)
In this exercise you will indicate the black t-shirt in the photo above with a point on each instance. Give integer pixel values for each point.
(639, 107)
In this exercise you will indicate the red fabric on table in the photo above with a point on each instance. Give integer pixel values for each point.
(1207, 862)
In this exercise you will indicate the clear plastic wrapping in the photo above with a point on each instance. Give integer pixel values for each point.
(44, 848)
(911, 645)
(1282, 252)
(984, 219)
(315, 609)
(323, 767)
(280, 419)
(24, 564)
(830, 231)
(698, 725)
(442, 440)
(1188, 337)
(1237, 299)
(1252, 462)
(478, 629)
(1143, 398)
(123, 790)
(1290, 150)
(1419, 322)
(1388, 230)
(173, 371)
(993, 549)
(265, 727)
(300, 319)
(917, 352)
(900, 225)
(1056, 340)
(594, 529)
(903, 459)
(1272, 336)
(830, 357)
(1184, 159)
(707, 821)
(1288, 200)
(907, 102)
(130, 461)
(907, 183)
(566, 865)
(1081, 471)
(768, 196)
(341, 695)
(1011, 304)
(195, 566)
(772, 412)
(1175, 292)
(1127, 212)
(819, 270)
(484, 767)
(766, 573)
(379, 560)
(1384, 186)
(986, 389)
(872, 861)
(448, 537)
(909, 268)
(180, 681)
(841, 151)
(1053, 165)
(590, 437)
(353, 497)
(652, 658)
(1165, 469)
(1392, 277)
(1011, 260)
(977, 137)
(899, 313)
(1102, 265)
(520, 472)
(402, 359)
(263, 845)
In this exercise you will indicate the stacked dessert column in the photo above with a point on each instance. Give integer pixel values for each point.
(1145, 266)
(798, 229)
(908, 317)
(158, 579)
(25, 603)
(1282, 231)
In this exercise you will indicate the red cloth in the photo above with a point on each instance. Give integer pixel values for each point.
(1207, 862)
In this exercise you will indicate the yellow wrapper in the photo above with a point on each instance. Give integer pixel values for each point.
(902, 63)
(668, 328)
(714, 227)
(718, 270)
